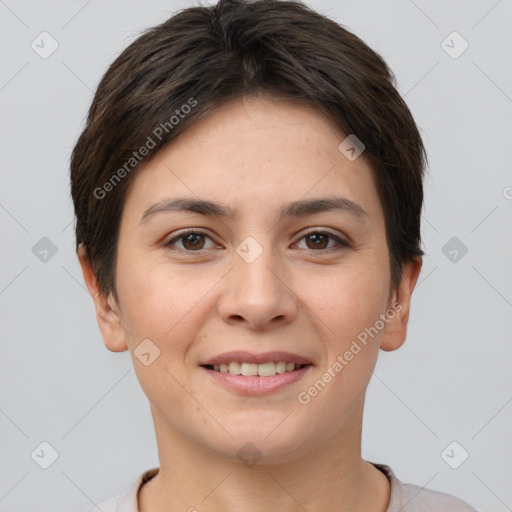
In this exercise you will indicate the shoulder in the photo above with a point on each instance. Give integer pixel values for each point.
(413, 498)
(419, 499)
(110, 505)
(127, 500)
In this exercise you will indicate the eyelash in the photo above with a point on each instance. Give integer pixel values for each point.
(342, 244)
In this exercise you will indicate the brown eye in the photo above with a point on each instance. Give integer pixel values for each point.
(319, 240)
(194, 241)
(191, 241)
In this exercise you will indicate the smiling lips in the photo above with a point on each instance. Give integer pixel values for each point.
(247, 363)
(262, 370)
(256, 373)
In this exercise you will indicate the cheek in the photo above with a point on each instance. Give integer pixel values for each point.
(164, 303)
(346, 312)
(153, 300)
(162, 306)
(347, 300)
(346, 306)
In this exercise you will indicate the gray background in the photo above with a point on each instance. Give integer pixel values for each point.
(449, 382)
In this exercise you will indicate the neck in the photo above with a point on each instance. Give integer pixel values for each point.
(331, 476)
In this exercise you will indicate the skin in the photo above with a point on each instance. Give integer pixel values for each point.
(255, 155)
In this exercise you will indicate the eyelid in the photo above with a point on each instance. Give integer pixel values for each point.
(340, 240)
(181, 234)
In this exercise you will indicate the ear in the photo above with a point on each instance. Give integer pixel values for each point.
(107, 309)
(395, 330)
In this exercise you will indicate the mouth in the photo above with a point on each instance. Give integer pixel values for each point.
(268, 369)
(256, 374)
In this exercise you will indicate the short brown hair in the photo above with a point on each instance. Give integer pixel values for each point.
(202, 57)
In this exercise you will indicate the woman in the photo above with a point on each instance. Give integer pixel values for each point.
(248, 194)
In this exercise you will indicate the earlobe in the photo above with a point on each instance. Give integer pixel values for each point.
(395, 331)
(107, 310)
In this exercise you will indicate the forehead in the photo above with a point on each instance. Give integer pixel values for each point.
(254, 155)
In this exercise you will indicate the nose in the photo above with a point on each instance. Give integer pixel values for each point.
(258, 294)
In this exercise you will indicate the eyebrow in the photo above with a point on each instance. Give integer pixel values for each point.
(300, 208)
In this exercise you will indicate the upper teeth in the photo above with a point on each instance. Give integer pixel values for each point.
(247, 369)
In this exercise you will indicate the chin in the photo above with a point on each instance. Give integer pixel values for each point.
(260, 440)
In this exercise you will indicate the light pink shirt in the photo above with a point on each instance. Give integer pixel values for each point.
(404, 497)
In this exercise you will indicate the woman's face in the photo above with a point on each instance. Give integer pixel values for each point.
(282, 280)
